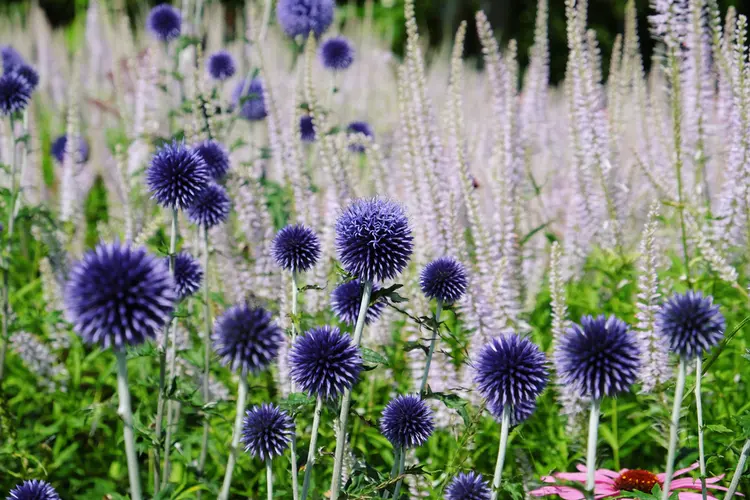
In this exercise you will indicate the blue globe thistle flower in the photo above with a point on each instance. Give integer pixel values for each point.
(11, 58)
(33, 489)
(119, 295)
(337, 53)
(346, 299)
(211, 207)
(519, 412)
(444, 279)
(691, 323)
(249, 96)
(407, 422)
(296, 248)
(15, 93)
(266, 431)
(216, 158)
(246, 339)
(29, 73)
(599, 357)
(356, 128)
(176, 176)
(57, 149)
(187, 273)
(164, 22)
(510, 370)
(221, 65)
(300, 17)
(468, 486)
(306, 129)
(373, 239)
(324, 362)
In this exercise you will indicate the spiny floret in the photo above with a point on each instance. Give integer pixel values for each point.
(176, 176)
(300, 17)
(346, 299)
(510, 370)
(80, 156)
(211, 207)
(355, 129)
(266, 431)
(221, 65)
(599, 357)
(119, 295)
(33, 489)
(11, 58)
(373, 239)
(248, 95)
(296, 248)
(691, 323)
(187, 273)
(519, 413)
(30, 74)
(165, 22)
(337, 53)
(246, 339)
(215, 156)
(407, 422)
(15, 93)
(306, 129)
(324, 362)
(468, 486)
(444, 279)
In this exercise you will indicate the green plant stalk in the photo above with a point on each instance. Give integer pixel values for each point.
(504, 429)
(346, 399)
(615, 435)
(435, 333)
(591, 451)
(401, 468)
(674, 428)
(126, 413)
(234, 450)
(396, 462)
(699, 414)
(738, 471)
(293, 442)
(206, 353)
(313, 444)
(269, 479)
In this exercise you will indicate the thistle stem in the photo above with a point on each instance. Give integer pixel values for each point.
(591, 452)
(313, 443)
(269, 479)
(206, 353)
(738, 471)
(347, 397)
(126, 413)
(504, 429)
(394, 469)
(699, 414)
(241, 399)
(401, 468)
(615, 435)
(293, 443)
(433, 342)
(674, 428)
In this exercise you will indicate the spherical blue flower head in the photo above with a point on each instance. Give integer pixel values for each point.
(510, 369)
(15, 93)
(468, 486)
(29, 74)
(266, 431)
(33, 489)
(57, 149)
(211, 207)
(119, 295)
(324, 362)
(306, 129)
(216, 158)
(300, 17)
(165, 22)
(246, 339)
(296, 248)
(373, 239)
(221, 65)
(356, 128)
(346, 299)
(176, 176)
(187, 273)
(691, 323)
(519, 413)
(337, 53)
(599, 357)
(444, 279)
(407, 422)
(11, 58)
(249, 96)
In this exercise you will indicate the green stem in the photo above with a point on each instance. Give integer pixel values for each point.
(591, 452)
(615, 435)
(126, 413)
(396, 462)
(233, 451)
(401, 468)
(699, 414)
(206, 353)
(433, 342)
(313, 444)
(269, 479)
(504, 429)
(8, 239)
(738, 471)
(293, 443)
(674, 428)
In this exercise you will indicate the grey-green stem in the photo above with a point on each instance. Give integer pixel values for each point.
(293, 442)
(206, 353)
(236, 433)
(591, 452)
(313, 447)
(401, 468)
(504, 430)
(269, 479)
(394, 469)
(126, 413)
(699, 415)
(674, 428)
(433, 343)
(738, 471)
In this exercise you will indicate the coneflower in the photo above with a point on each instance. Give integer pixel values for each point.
(266, 434)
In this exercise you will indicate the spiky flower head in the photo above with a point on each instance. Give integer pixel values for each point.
(15, 93)
(519, 413)
(266, 431)
(373, 239)
(444, 279)
(248, 95)
(306, 129)
(599, 357)
(164, 22)
(187, 273)
(81, 155)
(221, 65)
(296, 248)
(246, 338)
(33, 489)
(11, 58)
(30, 74)
(468, 486)
(211, 207)
(337, 53)
(176, 176)
(407, 421)
(324, 362)
(354, 129)
(215, 156)
(346, 299)
(119, 295)
(691, 323)
(510, 370)
(300, 17)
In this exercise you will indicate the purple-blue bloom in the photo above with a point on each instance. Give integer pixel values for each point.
(373, 239)
(57, 149)
(266, 431)
(165, 22)
(29, 74)
(468, 486)
(221, 65)
(354, 129)
(215, 156)
(249, 96)
(324, 362)
(691, 323)
(246, 339)
(176, 176)
(346, 299)
(119, 295)
(599, 357)
(187, 273)
(306, 129)
(33, 489)
(296, 248)
(211, 207)
(300, 17)
(407, 422)
(11, 58)
(337, 53)
(444, 279)
(15, 93)
(519, 412)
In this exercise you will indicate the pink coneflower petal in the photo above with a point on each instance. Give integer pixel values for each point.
(565, 492)
(685, 495)
(680, 472)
